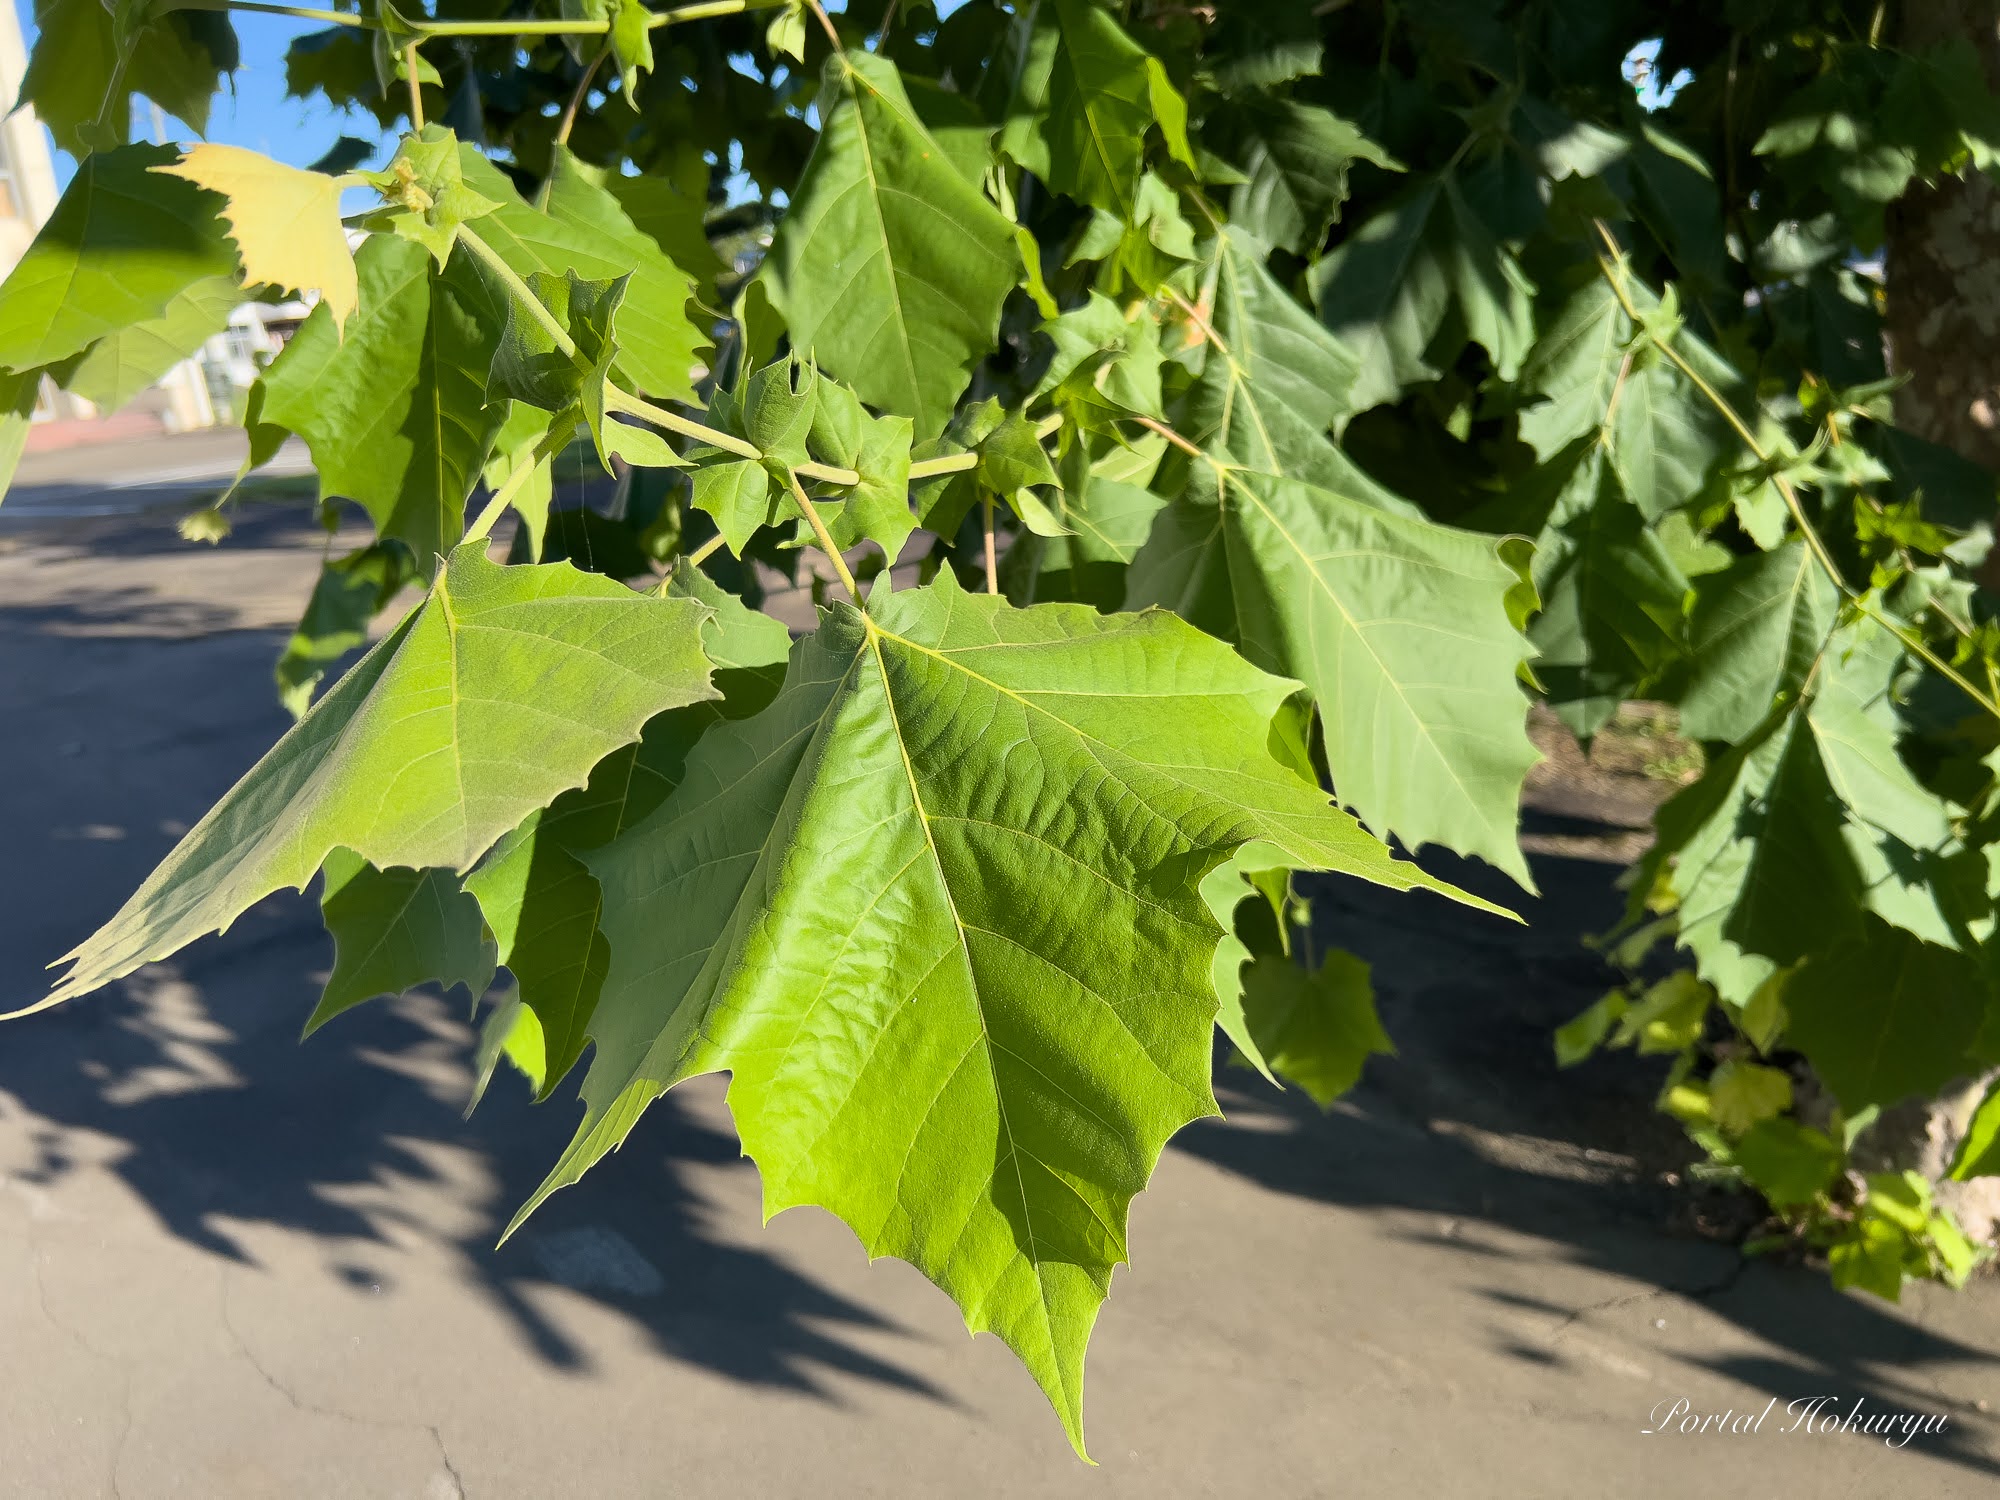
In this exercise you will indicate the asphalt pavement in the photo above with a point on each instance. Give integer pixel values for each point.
(180, 469)
(232, 1265)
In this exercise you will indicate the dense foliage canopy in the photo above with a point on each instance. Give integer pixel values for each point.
(1276, 396)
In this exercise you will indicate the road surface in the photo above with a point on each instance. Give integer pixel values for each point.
(117, 479)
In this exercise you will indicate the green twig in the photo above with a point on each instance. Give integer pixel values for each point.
(992, 563)
(1193, 450)
(705, 551)
(659, 416)
(522, 27)
(701, 432)
(258, 7)
(114, 95)
(826, 25)
(568, 121)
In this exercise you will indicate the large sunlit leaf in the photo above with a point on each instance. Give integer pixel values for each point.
(936, 911)
(541, 902)
(505, 688)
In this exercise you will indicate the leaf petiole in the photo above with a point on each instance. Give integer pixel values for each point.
(659, 416)
(523, 293)
(826, 25)
(992, 563)
(951, 463)
(504, 496)
(825, 537)
(416, 87)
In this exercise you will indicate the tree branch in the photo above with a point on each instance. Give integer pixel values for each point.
(1614, 272)
(525, 26)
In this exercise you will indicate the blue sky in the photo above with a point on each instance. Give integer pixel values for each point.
(257, 114)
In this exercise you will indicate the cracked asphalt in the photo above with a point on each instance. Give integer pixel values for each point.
(235, 1266)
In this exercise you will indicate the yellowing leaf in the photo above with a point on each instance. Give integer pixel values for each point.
(1742, 1093)
(286, 222)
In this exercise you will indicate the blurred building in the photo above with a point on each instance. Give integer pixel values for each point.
(27, 176)
(28, 195)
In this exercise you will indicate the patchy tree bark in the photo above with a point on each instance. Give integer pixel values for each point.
(1944, 271)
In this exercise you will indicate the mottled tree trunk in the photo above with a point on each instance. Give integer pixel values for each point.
(1943, 272)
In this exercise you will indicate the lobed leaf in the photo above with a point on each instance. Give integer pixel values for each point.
(939, 917)
(1408, 634)
(90, 58)
(1803, 827)
(1316, 1028)
(122, 364)
(396, 929)
(543, 905)
(394, 410)
(285, 222)
(504, 688)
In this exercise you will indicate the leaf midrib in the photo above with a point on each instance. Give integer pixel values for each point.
(874, 641)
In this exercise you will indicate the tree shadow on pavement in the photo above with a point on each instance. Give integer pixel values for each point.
(121, 721)
(1471, 1122)
(217, 1116)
